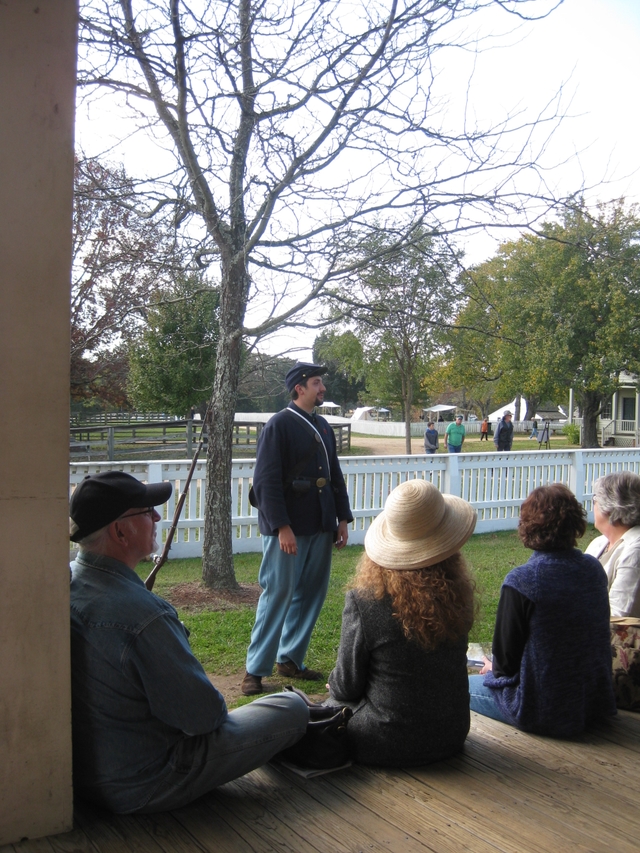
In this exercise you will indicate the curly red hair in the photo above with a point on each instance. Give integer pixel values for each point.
(433, 605)
(551, 519)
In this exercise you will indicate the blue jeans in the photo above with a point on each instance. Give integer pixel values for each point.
(452, 448)
(293, 591)
(482, 699)
(249, 738)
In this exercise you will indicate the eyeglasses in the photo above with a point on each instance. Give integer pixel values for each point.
(150, 510)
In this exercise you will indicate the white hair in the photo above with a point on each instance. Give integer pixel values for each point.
(618, 497)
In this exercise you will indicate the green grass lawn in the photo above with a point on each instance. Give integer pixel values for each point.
(220, 639)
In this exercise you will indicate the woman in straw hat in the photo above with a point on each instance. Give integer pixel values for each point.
(403, 647)
(551, 667)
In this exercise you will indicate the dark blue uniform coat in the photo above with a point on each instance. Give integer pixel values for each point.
(283, 443)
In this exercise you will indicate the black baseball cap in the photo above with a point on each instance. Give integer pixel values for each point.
(100, 499)
(300, 372)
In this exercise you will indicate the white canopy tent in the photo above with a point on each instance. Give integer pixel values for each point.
(441, 407)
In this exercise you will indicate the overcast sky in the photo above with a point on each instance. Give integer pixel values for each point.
(593, 46)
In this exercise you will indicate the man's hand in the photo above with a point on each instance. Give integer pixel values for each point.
(342, 535)
(287, 539)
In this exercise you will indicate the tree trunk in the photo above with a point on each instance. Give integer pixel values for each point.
(516, 414)
(217, 553)
(532, 407)
(408, 404)
(590, 404)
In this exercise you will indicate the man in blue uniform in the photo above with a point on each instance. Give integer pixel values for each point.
(303, 508)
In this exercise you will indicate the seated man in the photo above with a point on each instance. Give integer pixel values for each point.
(150, 731)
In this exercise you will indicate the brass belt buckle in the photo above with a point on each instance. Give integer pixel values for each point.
(320, 482)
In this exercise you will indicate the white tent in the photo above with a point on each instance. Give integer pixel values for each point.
(329, 406)
(362, 414)
(441, 407)
(495, 416)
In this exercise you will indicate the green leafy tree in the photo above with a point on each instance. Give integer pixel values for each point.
(397, 307)
(342, 356)
(562, 308)
(172, 363)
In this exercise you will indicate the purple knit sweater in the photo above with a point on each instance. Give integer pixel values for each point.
(565, 674)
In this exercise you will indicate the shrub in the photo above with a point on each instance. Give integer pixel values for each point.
(572, 431)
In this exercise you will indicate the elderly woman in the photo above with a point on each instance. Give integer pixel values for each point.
(402, 662)
(551, 668)
(616, 512)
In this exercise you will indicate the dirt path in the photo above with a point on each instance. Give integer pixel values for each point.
(385, 445)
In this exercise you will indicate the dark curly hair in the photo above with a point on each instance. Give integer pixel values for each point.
(433, 604)
(551, 519)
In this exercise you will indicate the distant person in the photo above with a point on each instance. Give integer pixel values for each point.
(534, 430)
(616, 511)
(402, 661)
(503, 436)
(484, 430)
(454, 436)
(551, 668)
(431, 438)
(150, 731)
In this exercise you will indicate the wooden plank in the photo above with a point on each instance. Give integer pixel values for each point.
(229, 822)
(624, 730)
(406, 806)
(503, 808)
(582, 807)
(76, 841)
(591, 758)
(337, 830)
(112, 833)
(175, 835)
(474, 808)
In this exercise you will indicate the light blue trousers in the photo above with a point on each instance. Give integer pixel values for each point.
(294, 590)
(249, 737)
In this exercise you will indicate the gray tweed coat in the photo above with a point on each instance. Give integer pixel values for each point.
(411, 705)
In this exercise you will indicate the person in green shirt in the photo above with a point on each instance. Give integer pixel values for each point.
(454, 436)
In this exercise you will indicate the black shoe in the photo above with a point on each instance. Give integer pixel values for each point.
(251, 684)
(288, 669)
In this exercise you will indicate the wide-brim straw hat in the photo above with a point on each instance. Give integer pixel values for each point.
(419, 527)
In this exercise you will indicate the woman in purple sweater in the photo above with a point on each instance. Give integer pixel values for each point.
(551, 668)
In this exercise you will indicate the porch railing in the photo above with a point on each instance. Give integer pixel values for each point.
(495, 483)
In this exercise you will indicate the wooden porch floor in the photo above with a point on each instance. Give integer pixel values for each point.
(507, 791)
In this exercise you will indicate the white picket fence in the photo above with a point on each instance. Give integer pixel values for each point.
(495, 483)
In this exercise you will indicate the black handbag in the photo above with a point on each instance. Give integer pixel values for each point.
(325, 744)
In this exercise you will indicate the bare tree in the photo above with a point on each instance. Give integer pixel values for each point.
(120, 261)
(294, 123)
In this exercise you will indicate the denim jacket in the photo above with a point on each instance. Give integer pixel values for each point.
(139, 694)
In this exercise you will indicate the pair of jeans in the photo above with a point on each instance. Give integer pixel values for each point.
(482, 699)
(294, 588)
(452, 448)
(249, 738)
